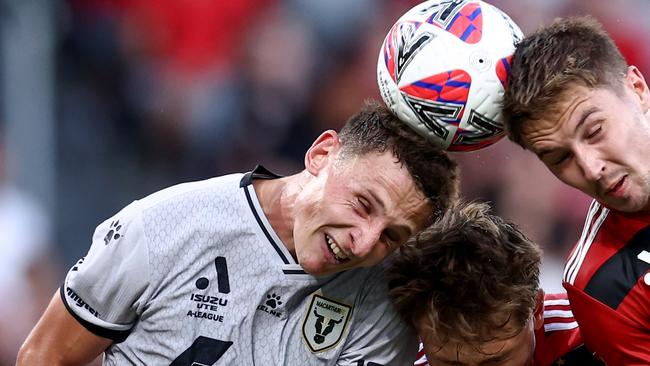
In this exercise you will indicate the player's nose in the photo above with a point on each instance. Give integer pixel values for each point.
(591, 165)
(365, 239)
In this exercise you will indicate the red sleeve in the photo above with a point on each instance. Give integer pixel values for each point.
(616, 339)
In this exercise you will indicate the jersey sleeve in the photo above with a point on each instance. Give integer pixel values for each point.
(421, 358)
(105, 290)
(379, 336)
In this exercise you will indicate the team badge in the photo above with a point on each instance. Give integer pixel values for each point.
(324, 324)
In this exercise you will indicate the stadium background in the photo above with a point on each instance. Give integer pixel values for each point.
(105, 101)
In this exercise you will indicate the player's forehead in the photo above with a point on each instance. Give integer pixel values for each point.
(561, 115)
(493, 348)
(463, 353)
(387, 181)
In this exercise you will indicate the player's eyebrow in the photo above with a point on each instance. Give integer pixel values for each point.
(586, 113)
(581, 120)
(405, 231)
(377, 200)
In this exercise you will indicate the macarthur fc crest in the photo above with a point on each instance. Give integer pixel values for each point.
(324, 324)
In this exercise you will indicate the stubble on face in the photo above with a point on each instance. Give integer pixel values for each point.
(621, 149)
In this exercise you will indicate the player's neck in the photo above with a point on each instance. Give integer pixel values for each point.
(277, 197)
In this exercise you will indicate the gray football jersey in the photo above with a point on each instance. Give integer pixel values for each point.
(195, 275)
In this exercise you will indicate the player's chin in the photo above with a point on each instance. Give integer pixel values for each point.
(316, 267)
(628, 204)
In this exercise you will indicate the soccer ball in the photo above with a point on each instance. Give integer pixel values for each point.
(442, 69)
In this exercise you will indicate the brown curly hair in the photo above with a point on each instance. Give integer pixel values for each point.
(465, 276)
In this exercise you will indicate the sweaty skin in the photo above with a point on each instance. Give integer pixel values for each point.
(598, 143)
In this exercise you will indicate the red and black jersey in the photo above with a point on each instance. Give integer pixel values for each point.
(607, 277)
(421, 359)
(558, 342)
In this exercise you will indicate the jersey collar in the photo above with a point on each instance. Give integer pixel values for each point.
(290, 267)
(259, 172)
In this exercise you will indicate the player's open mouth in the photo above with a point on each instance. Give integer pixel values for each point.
(617, 188)
(335, 249)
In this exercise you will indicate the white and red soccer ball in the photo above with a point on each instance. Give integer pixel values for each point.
(442, 69)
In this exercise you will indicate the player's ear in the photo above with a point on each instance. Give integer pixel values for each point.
(324, 149)
(634, 79)
(538, 315)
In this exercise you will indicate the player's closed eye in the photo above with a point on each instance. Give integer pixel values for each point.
(594, 132)
(561, 159)
(365, 205)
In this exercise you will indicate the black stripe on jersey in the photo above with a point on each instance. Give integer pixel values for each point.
(294, 271)
(266, 232)
(116, 335)
(578, 357)
(259, 172)
(621, 272)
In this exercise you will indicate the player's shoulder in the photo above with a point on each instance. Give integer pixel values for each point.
(421, 357)
(558, 315)
(556, 298)
(602, 218)
(559, 339)
(596, 216)
(363, 279)
(370, 279)
(180, 200)
(365, 287)
(222, 184)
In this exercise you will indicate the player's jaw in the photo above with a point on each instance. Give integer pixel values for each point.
(626, 192)
(622, 188)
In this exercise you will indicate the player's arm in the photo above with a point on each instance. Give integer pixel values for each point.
(87, 315)
(59, 339)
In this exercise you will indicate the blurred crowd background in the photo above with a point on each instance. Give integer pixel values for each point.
(105, 101)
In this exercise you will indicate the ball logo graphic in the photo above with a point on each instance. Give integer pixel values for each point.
(443, 67)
